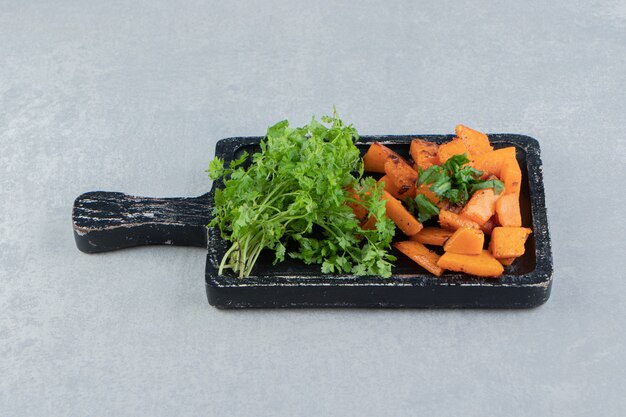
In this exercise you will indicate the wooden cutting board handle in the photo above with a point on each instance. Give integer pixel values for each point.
(105, 221)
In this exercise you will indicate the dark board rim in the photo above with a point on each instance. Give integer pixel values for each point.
(540, 276)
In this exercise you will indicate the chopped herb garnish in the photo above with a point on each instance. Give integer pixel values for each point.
(424, 207)
(455, 181)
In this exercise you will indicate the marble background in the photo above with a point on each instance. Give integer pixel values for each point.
(132, 96)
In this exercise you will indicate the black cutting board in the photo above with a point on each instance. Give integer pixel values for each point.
(105, 221)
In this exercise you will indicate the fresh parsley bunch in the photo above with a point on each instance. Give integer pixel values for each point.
(295, 192)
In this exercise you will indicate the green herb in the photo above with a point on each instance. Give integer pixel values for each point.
(456, 182)
(294, 194)
(497, 186)
(425, 209)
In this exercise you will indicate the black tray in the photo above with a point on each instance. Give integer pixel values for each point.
(106, 221)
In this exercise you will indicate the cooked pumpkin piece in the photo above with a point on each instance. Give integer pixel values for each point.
(465, 241)
(477, 143)
(432, 236)
(453, 221)
(449, 149)
(508, 211)
(511, 176)
(402, 175)
(424, 153)
(374, 159)
(507, 261)
(390, 187)
(492, 162)
(483, 265)
(509, 242)
(481, 206)
(401, 216)
(421, 255)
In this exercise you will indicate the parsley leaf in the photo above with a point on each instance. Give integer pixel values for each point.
(497, 186)
(216, 168)
(430, 175)
(425, 208)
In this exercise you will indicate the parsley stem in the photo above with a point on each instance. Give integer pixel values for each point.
(226, 257)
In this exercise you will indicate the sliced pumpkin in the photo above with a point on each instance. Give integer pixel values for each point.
(465, 241)
(452, 221)
(508, 211)
(390, 187)
(449, 149)
(420, 255)
(477, 143)
(374, 159)
(424, 153)
(432, 236)
(511, 176)
(483, 265)
(509, 242)
(492, 162)
(481, 206)
(507, 261)
(402, 175)
(401, 216)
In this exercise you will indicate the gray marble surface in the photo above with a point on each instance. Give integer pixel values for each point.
(131, 96)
